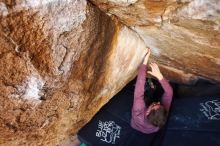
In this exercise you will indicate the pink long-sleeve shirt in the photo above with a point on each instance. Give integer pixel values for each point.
(138, 120)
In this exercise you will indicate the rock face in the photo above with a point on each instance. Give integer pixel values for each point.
(60, 62)
(184, 35)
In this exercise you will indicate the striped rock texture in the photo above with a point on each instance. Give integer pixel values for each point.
(184, 35)
(62, 60)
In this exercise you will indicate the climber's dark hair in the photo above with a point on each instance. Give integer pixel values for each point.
(152, 95)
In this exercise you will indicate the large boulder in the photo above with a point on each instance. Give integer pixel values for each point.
(60, 61)
(184, 35)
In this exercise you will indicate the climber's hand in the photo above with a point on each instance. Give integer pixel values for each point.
(155, 71)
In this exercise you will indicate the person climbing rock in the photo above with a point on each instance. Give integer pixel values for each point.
(149, 118)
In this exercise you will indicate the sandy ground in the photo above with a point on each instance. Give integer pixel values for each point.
(71, 141)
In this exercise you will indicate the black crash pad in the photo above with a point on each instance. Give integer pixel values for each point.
(111, 125)
(192, 121)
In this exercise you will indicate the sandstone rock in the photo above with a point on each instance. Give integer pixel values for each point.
(183, 34)
(118, 2)
(60, 62)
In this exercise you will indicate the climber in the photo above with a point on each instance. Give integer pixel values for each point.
(150, 118)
